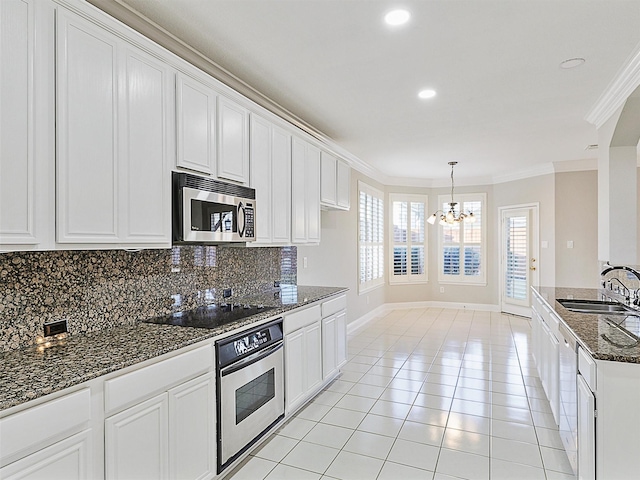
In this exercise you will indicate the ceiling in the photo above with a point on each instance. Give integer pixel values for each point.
(503, 103)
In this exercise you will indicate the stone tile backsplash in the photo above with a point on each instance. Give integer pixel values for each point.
(96, 290)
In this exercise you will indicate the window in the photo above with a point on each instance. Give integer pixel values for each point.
(407, 238)
(370, 237)
(462, 246)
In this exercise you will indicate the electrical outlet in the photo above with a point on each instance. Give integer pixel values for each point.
(304, 262)
(227, 292)
(441, 289)
(54, 328)
(367, 299)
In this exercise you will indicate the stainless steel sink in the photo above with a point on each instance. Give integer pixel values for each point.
(596, 306)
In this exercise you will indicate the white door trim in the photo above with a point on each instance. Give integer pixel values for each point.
(535, 252)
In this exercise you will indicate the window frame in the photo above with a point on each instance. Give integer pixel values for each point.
(379, 281)
(408, 278)
(479, 280)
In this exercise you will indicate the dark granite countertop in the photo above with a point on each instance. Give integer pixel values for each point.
(590, 328)
(28, 373)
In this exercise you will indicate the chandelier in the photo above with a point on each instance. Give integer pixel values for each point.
(450, 218)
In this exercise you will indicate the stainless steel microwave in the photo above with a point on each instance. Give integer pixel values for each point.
(207, 211)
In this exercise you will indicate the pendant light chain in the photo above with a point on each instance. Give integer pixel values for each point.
(450, 217)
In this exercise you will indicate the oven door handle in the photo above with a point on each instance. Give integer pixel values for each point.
(251, 359)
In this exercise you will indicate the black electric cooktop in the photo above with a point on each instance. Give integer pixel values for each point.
(210, 316)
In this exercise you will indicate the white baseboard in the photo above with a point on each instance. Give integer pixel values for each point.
(360, 323)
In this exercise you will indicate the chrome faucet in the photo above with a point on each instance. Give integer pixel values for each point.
(620, 267)
(627, 297)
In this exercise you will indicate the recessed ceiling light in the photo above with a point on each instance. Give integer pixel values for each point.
(397, 17)
(572, 63)
(426, 94)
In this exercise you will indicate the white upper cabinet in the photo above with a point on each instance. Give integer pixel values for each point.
(271, 177)
(281, 185)
(17, 182)
(335, 180)
(305, 197)
(328, 177)
(114, 106)
(147, 148)
(87, 131)
(261, 176)
(343, 186)
(233, 141)
(196, 121)
(312, 190)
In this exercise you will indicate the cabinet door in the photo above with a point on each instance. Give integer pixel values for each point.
(195, 122)
(298, 195)
(136, 441)
(233, 141)
(553, 372)
(17, 147)
(343, 187)
(312, 201)
(67, 459)
(192, 434)
(328, 176)
(281, 185)
(145, 117)
(586, 431)
(294, 364)
(313, 355)
(261, 176)
(341, 339)
(86, 131)
(329, 344)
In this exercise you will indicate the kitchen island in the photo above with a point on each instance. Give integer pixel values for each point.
(590, 370)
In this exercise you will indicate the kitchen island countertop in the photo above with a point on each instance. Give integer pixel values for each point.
(593, 331)
(30, 373)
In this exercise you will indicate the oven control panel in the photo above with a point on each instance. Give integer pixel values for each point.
(234, 348)
(249, 343)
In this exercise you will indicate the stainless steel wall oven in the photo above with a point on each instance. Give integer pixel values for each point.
(250, 388)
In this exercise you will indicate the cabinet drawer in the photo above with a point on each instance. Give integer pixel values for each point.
(587, 367)
(135, 386)
(294, 321)
(334, 306)
(37, 427)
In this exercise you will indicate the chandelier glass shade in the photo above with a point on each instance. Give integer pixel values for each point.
(450, 217)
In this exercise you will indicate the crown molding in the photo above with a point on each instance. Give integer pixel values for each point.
(535, 171)
(621, 87)
(576, 165)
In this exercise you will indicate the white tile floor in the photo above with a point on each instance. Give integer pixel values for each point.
(426, 394)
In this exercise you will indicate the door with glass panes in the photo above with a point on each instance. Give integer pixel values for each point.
(518, 258)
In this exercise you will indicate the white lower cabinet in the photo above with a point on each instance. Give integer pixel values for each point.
(136, 441)
(586, 431)
(334, 336)
(169, 436)
(68, 459)
(302, 356)
(546, 351)
(52, 440)
(192, 445)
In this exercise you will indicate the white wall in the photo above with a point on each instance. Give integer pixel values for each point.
(335, 261)
(561, 197)
(577, 221)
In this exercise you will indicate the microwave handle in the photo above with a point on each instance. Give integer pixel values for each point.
(241, 219)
